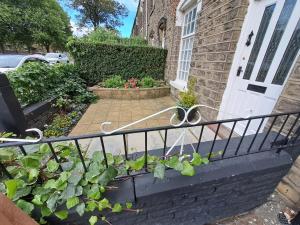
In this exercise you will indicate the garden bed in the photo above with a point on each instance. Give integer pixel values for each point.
(131, 93)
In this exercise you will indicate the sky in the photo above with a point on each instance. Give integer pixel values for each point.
(124, 30)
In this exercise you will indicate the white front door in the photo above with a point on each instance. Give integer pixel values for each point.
(268, 47)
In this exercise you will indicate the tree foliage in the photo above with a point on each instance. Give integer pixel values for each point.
(28, 22)
(100, 12)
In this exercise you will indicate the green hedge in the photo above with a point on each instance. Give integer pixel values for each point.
(99, 61)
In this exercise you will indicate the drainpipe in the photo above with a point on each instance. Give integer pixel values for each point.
(146, 28)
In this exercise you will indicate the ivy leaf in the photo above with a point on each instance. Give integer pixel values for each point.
(44, 148)
(159, 171)
(37, 200)
(91, 206)
(25, 206)
(128, 205)
(80, 209)
(79, 191)
(205, 160)
(197, 160)
(11, 187)
(52, 166)
(93, 220)
(6, 155)
(118, 160)
(22, 192)
(93, 171)
(117, 208)
(98, 157)
(103, 204)
(33, 174)
(108, 175)
(31, 161)
(94, 192)
(52, 201)
(136, 164)
(174, 163)
(110, 159)
(71, 202)
(45, 211)
(62, 215)
(188, 170)
(50, 184)
(76, 174)
(68, 192)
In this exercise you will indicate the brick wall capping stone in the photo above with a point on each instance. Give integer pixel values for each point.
(130, 93)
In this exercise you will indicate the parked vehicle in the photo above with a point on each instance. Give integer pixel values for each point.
(54, 58)
(12, 62)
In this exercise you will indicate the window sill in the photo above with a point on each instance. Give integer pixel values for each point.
(179, 84)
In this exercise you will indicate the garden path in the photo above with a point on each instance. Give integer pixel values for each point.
(123, 112)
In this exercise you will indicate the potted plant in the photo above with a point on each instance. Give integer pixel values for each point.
(187, 99)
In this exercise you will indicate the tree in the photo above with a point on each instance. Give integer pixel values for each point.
(28, 22)
(53, 28)
(100, 12)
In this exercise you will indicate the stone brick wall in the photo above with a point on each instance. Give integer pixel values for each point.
(217, 33)
(289, 100)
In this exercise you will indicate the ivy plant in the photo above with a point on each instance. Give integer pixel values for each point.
(50, 186)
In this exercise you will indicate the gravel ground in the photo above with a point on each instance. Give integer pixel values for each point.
(263, 215)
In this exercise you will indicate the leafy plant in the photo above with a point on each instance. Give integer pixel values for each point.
(98, 61)
(61, 124)
(38, 182)
(35, 82)
(131, 83)
(188, 98)
(108, 36)
(114, 82)
(148, 82)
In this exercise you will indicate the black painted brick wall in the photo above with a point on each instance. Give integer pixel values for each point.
(218, 190)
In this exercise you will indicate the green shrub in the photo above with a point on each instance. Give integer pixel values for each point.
(114, 82)
(35, 82)
(112, 37)
(61, 124)
(98, 61)
(188, 98)
(148, 82)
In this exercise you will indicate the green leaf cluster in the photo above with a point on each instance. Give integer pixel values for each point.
(29, 22)
(35, 82)
(98, 61)
(38, 182)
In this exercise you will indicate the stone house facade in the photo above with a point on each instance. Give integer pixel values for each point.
(218, 57)
(244, 55)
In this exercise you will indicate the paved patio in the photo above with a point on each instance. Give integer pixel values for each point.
(123, 112)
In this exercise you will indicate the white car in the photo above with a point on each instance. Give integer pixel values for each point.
(54, 58)
(13, 62)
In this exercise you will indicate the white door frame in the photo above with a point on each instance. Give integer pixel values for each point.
(236, 63)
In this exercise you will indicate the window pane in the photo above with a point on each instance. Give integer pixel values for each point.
(288, 57)
(259, 40)
(190, 17)
(194, 13)
(275, 40)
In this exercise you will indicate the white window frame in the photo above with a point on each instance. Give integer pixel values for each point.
(187, 40)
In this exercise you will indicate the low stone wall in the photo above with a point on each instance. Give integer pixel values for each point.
(218, 190)
(130, 93)
(39, 114)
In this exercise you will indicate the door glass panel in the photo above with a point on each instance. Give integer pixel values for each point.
(259, 40)
(275, 40)
(288, 57)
